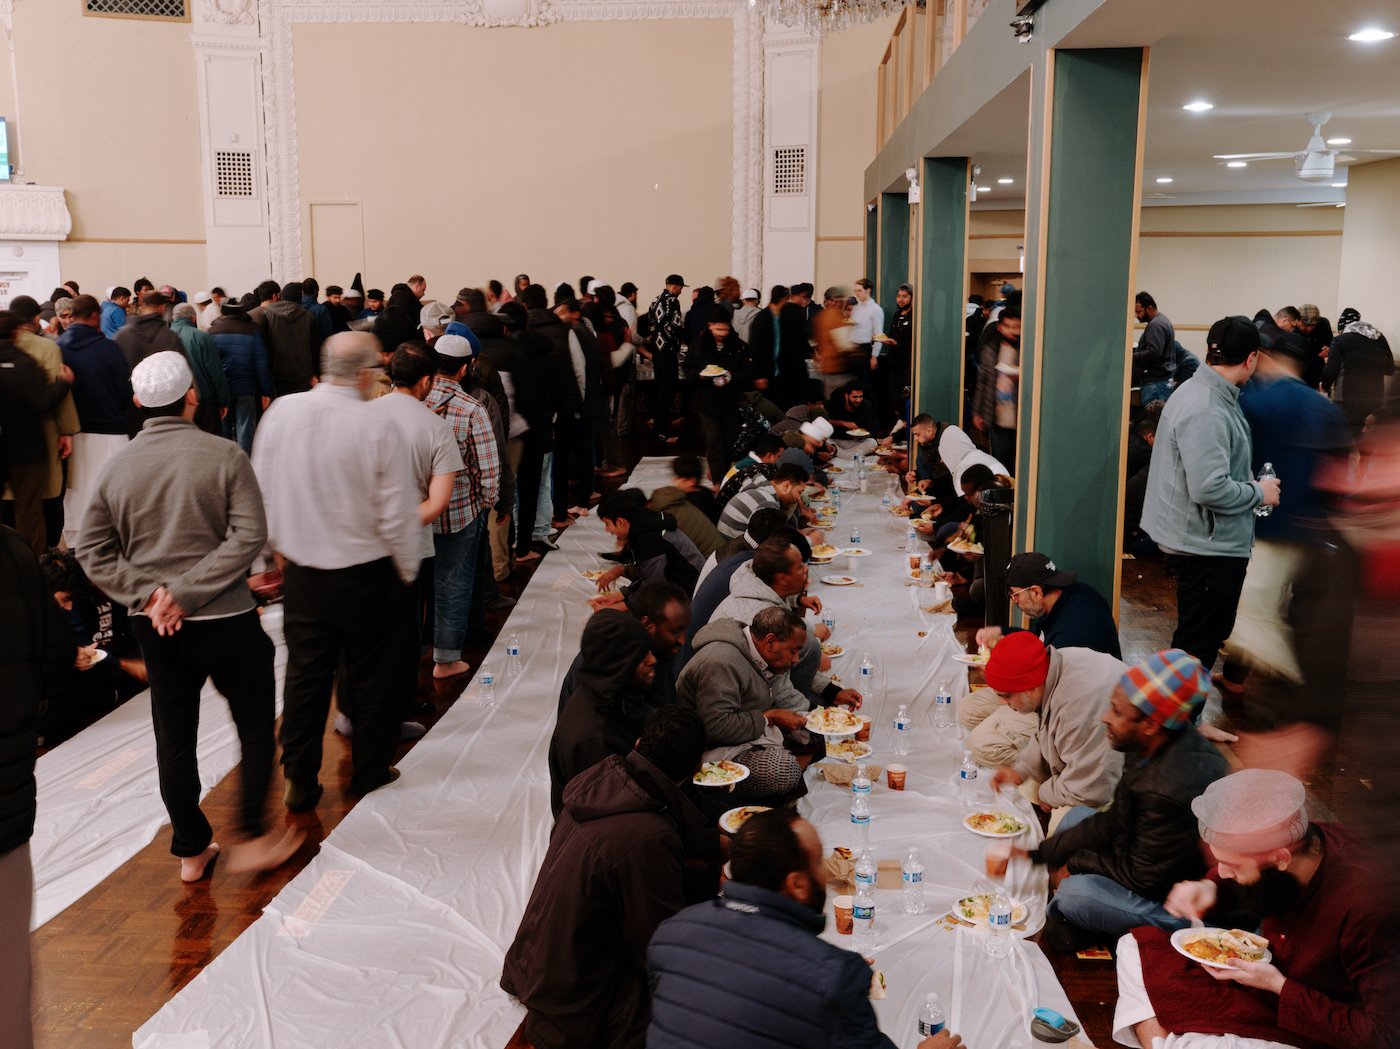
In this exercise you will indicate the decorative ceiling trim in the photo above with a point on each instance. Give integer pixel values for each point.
(279, 94)
(34, 213)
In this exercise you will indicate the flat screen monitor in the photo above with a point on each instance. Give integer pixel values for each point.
(4, 151)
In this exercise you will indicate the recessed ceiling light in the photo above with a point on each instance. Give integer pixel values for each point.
(1005, 181)
(1339, 185)
(984, 189)
(1198, 106)
(1339, 141)
(1237, 164)
(1371, 35)
(1163, 180)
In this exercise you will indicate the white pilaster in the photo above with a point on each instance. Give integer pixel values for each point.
(791, 78)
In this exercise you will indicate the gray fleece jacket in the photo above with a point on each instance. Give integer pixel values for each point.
(179, 508)
(750, 595)
(730, 690)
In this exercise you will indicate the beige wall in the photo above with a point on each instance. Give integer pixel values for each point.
(1371, 245)
(1201, 263)
(591, 147)
(107, 110)
(845, 144)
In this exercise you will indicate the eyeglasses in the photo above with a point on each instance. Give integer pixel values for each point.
(1013, 593)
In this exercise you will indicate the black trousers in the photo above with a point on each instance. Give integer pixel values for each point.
(573, 463)
(355, 615)
(721, 431)
(664, 386)
(527, 487)
(237, 656)
(1207, 594)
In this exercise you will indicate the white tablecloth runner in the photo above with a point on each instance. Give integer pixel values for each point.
(394, 935)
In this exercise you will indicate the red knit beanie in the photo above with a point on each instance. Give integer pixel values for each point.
(1019, 663)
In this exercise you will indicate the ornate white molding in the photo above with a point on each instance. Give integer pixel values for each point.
(229, 12)
(34, 213)
(746, 236)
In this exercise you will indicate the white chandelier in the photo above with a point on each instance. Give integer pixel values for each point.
(825, 16)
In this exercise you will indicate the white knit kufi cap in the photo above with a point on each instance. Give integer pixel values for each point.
(161, 379)
(824, 426)
(1253, 811)
(453, 346)
(812, 430)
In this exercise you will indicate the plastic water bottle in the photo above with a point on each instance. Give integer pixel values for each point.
(999, 925)
(967, 779)
(860, 820)
(903, 726)
(514, 666)
(828, 618)
(867, 684)
(860, 782)
(931, 1019)
(836, 496)
(863, 915)
(488, 686)
(943, 708)
(911, 542)
(866, 869)
(1266, 474)
(885, 502)
(855, 535)
(912, 877)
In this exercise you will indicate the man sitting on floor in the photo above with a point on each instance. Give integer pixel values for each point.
(616, 867)
(1063, 611)
(848, 410)
(1113, 869)
(1056, 697)
(783, 490)
(689, 471)
(738, 681)
(749, 968)
(650, 546)
(691, 519)
(1316, 895)
(664, 612)
(605, 713)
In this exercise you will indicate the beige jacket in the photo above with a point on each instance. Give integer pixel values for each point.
(64, 419)
(1069, 752)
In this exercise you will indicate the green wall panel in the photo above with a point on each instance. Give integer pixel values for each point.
(938, 308)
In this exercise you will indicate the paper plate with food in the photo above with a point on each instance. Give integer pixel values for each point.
(834, 469)
(734, 819)
(975, 659)
(1218, 948)
(829, 649)
(713, 371)
(902, 511)
(851, 750)
(858, 432)
(855, 551)
(962, 546)
(974, 909)
(823, 550)
(720, 774)
(838, 580)
(993, 824)
(593, 573)
(833, 721)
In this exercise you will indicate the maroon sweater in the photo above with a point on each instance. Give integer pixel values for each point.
(1336, 945)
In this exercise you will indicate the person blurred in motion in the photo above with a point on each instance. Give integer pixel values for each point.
(1286, 629)
(627, 851)
(714, 967)
(1358, 362)
(1313, 891)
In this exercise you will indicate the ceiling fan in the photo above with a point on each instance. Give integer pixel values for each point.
(1315, 162)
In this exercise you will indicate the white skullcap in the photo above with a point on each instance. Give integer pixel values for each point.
(453, 346)
(109, 292)
(593, 287)
(1253, 811)
(824, 426)
(751, 293)
(202, 297)
(161, 379)
(353, 293)
(812, 430)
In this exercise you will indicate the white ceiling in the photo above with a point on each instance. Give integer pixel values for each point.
(1262, 70)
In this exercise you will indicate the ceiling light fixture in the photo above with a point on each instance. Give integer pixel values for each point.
(1198, 106)
(984, 189)
(1339, 185)
(1237, 164)
(1339, 141)
(1164, 180)
(1371, 35)
(1005, 181)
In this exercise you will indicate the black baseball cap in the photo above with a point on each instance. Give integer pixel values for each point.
(1035, 569)
(1231, 340)
(676, 278)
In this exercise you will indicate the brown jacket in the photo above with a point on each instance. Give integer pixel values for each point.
(833, 354)
(63, 421)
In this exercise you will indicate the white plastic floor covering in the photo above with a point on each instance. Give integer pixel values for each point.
(393, 936)
(99, 796)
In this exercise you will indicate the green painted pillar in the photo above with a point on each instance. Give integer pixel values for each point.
(894, 249)
(942, 289)
(1081, 237)
(872, 247)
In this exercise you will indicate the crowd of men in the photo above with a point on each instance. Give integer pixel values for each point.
(383, 462)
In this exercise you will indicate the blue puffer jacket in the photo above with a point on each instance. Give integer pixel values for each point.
(748, 969)
(243, 354)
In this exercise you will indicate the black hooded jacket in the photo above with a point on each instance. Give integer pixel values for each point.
(604, 715)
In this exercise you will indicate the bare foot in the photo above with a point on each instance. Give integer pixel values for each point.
(266, 852)
(194, 868)
(445, 670)
(1216, 734)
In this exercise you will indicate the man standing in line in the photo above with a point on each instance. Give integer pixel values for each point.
(1154, 359)
(287, 330)
(867, 321)
(147, 333)
(1200, 500)
(338, 485)
(38, 486)
(459, 531)
(114, 308)
(995, 394)
(171, 531)
(209, 379)
(668, 331)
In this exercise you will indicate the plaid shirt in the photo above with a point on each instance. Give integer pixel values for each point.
(474, 490)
